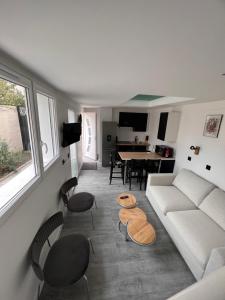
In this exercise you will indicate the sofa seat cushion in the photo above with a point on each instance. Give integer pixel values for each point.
(169, 198)
(199, 233)
(193, 186)
(214, 206)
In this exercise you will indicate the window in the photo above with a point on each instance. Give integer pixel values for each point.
(48, 128)
(17, 156)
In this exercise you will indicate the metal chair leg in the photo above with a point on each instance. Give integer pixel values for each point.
(86, 283)
(39, 292)
(92, 221)
(126, 235)
(119, 225)
(91, 245)
(49, 243)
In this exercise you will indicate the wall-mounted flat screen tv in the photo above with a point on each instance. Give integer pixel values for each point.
(138, 121)
(71, 133)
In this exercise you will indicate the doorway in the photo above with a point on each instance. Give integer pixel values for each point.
(73, 147)
(89, 136)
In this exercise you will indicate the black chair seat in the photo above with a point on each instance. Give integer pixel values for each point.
(80, 202)
(67, 260)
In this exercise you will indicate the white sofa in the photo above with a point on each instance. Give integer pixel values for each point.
(211, 287)
(193, 212)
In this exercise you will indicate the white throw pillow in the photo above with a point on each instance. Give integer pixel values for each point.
(214, 206)
(193, 186)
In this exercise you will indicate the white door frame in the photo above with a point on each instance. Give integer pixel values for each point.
(89, 121)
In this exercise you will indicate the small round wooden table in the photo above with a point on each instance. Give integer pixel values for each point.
(132, 213)
(126, 200)
(141, 232)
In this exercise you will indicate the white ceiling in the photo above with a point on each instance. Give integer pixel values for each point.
(103, 52)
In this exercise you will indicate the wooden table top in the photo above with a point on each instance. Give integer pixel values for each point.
(141, 232)
(139, 155)
(128, 202)
(132, 213)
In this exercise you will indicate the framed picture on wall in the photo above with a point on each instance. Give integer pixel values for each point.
(212, 125)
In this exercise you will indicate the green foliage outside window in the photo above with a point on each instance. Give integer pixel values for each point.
(9, 160)
(10, 95)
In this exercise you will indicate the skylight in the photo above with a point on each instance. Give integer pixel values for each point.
(142, 97)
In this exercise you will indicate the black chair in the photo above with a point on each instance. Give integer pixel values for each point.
(117, 166)
(78, 202)
(67, 259)
(135, 170)
(150, 166)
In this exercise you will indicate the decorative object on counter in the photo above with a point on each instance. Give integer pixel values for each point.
(146, 138)
(136, 139)
(164, 151)
(212, 125)
(196, 149)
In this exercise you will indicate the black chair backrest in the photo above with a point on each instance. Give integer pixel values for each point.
(136, 164)
(152, 166)
(66, 187)
(39, 240)
(114, 157)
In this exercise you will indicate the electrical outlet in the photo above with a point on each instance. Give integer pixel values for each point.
(189, 158)
(208, 167)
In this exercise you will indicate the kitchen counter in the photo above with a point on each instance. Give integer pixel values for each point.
(128, 143)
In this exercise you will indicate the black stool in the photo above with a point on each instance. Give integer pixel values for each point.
(117, 166)
(135, 170)
(67, 260)
(79, 202)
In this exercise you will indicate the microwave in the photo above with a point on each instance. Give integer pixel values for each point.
(164, 151)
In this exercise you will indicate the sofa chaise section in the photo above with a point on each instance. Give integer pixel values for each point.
(192, 210)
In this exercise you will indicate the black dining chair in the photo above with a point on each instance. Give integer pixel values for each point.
(117, 167)
(77, 202)
(67, 259)
(135, 169)
(150, 166)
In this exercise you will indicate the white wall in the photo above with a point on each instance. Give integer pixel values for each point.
(212, 150)
(18, 229)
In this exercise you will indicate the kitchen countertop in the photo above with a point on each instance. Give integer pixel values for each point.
(128, 143)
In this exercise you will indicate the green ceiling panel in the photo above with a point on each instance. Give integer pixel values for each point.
(141, 97)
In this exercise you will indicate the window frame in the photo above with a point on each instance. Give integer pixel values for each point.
(7, 74)
(53, 123)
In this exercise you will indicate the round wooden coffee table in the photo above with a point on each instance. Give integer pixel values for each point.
(141, 232)
(132, 213)
(126, 200)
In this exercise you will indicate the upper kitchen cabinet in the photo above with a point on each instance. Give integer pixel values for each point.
(168, 126)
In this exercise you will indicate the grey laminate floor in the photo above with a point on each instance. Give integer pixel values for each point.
(119, 269)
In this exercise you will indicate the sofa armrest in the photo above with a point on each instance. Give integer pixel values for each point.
(216, 260)
(160, 179)
(210, 287)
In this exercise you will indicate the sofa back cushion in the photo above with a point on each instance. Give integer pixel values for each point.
(192, 185)
(214, 206)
